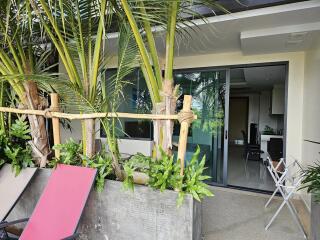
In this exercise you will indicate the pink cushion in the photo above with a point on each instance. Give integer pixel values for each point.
(59, 209)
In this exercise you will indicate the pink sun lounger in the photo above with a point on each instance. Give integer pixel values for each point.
(59, 209)
(12, 187)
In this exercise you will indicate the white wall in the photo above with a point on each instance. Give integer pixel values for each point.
(265, 117)
(295, 86)
(311, 107)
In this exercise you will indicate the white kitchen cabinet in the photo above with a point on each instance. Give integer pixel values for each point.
(278, 99)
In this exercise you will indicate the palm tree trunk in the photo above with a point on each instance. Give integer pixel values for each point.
(39, 143)
(163, 129)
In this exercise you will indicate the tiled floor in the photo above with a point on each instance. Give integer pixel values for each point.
(254, 175)
(238, 215)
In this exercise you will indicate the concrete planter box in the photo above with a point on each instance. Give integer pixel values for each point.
(116, 214)
(315, 220)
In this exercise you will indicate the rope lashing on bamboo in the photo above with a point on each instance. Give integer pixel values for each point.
(186, 116)
(48, 112)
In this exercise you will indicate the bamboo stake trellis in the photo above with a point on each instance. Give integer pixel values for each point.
(185, 117)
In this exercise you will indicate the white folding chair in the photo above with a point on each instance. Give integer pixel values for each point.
(287, 182)
(277, 173)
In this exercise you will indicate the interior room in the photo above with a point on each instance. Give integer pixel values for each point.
(256, 124)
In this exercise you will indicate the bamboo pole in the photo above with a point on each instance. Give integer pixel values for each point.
(90, 137)
(184, 128)
(185, 117)
(55, 123)
(71, 116)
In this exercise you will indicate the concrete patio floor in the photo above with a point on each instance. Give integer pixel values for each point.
(240, 215)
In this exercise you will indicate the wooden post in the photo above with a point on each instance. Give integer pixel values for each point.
(184, 127)
(55, 122)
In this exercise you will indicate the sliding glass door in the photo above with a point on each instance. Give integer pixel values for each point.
(210, 91)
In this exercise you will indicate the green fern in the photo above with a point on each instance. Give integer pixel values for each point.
(193, 179)
(164, 173)
(20, 129)
(71, 153)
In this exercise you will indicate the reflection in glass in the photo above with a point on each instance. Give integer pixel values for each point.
(208, 91)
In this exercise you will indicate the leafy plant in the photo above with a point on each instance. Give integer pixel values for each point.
(175, 19)
(164, 173)
(311, 181)
(14, 148)
(77, 30)
(102, 162)
(20, 129)
(129, 169)
(138, 162)
(193, 179)
(71, 153)
(22, 54)
(20, 157)
(3, 143)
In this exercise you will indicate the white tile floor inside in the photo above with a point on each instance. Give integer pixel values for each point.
(254, 175)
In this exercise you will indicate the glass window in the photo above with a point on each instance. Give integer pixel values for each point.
(136, 100)
(207, 88)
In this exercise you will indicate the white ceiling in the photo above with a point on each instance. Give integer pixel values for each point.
(258, 78)
(285, 28)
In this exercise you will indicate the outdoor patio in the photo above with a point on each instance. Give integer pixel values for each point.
(240, 215)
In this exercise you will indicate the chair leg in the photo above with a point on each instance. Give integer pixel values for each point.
(246, 164)
(296, 218)
(272, 196)
(286, 201)
(275, 215)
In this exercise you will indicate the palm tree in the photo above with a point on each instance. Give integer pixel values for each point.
(19, 58)
(146, 17)
(77, 30)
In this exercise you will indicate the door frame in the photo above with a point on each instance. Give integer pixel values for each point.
(226, 129)
(228, 69)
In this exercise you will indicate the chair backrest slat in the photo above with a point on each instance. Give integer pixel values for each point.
(60, 206)
(12, 187)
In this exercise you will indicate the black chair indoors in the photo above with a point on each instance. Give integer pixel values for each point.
(275, 149)
(252, 152)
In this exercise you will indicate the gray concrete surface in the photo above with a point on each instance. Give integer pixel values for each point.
(116, 214)
(229, 215)
(239, 215)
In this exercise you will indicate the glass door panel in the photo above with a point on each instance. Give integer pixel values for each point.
(208, 89)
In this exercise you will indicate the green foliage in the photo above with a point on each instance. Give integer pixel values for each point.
(71, 154)
(13, 146)
(311, 181)
(20, 129)
(20, 157)
(129, 169)
(137, 162)
(164, 173)
(103, 163)
(3, 143)
(193, 179)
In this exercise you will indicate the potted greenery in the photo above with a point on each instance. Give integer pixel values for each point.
(168, 207)
(312, 184)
